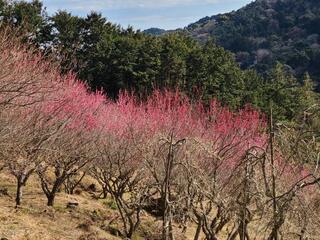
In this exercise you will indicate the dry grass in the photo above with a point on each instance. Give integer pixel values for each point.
(33, 220)
(90, 221)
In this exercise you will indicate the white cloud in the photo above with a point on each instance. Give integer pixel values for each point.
(142, 14)
(122, 4)
(154, 3)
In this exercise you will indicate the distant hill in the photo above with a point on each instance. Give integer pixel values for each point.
(266, 31)
(154, 31)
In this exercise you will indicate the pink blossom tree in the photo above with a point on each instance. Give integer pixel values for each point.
(295, 170)
(74, 148)
(26, 85)
(24, 141)
(222, 156)
(222, 138)
(118, 167)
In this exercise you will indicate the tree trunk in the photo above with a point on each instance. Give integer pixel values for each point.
(104, 193)
(52, 194)
(210, 237)
(51, 198)
(198, 231)
(166, 235)
(19, 193)
(244, 217)
(170, 226)
(71, 184)
(274, 191)
(131, 230)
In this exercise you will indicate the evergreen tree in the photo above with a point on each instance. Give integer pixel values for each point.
(30, 19)
(281, 89)
(225, 80)
(307, 97)
(254, 89)
(66, 38)
(308, 104)
(173, 54)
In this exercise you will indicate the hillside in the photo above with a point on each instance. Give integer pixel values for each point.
(154, 31)
(92, 219)
(34, 220)
(176, 163)
(266, 31)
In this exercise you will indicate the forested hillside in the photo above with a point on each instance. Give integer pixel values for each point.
(266, 31)
(155, 31)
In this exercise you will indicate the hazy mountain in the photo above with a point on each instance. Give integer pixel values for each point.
(154, 31)
(266, 31)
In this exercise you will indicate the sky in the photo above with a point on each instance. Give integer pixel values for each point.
(143, 14)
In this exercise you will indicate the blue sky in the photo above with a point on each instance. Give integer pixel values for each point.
(143, 14)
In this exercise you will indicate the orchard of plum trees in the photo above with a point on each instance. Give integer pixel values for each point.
(229, 173)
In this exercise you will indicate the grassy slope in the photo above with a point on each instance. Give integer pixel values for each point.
(90, 221)
(34, 220)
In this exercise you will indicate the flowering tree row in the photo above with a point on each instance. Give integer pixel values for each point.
(180, 160)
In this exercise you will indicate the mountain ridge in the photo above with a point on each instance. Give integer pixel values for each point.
(266, 31)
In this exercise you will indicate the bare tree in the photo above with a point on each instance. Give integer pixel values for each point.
(119, 171)
(68, 154)
(25, 81)
(297, 171)
(73, 181)
(164, 163)
(25, 140)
